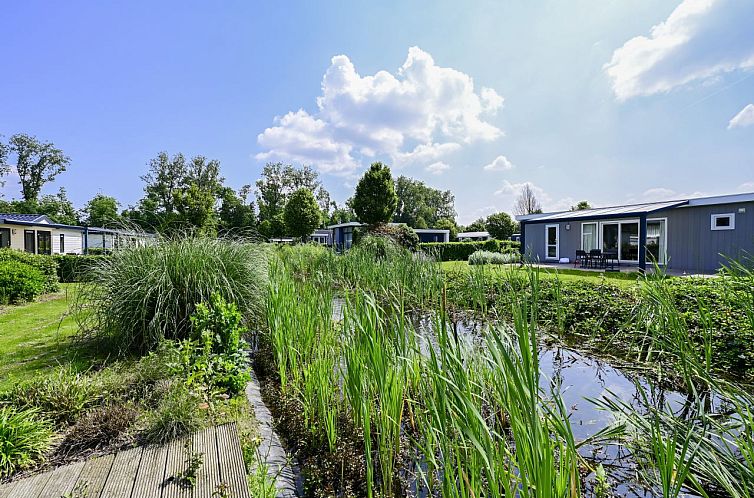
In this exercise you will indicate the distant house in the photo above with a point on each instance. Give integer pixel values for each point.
(688, 235)
(473, 236)
(38, 234)
(322, 236)
(342, 234)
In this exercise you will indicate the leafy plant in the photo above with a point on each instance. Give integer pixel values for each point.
(176, 415)
(193, 463)
(493, 258)
(19, 282)
(25, 437)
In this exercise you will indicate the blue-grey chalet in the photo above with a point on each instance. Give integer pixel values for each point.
(686, 235)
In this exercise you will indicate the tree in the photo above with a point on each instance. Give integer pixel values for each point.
(581, 206)
(479, 225)
(37, 163)
(101, 211)
(500, 226)
(302, 213)
(4, 167)
(527, 202)
(418, 202)
(279, 181)
(236, 211)
(341, 214)
(375, 200)
(448, 224)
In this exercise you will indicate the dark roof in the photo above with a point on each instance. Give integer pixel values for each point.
(25, 217)
(606, 212)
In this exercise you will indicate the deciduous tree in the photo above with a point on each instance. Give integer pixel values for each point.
(419, 204)
(375, 200)
(500, 226)
(101, 211)
(37, 163)
(527, 202)
(302, 214)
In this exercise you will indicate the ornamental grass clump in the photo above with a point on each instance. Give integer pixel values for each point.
(144, 294)
(25, 437)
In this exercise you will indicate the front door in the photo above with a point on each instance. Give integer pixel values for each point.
(44, 242)
(4, 237)
(29, 242)
(552, 249)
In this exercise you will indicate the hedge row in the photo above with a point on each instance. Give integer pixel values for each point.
(45, 265)
(74, 268)
(460, 251)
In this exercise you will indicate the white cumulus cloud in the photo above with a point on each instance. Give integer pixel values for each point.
(417, 116)
(437, 168)
(500, 163)
(744, 118)
(699, 41)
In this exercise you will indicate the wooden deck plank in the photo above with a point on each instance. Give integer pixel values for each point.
(62, 480)
(176, 463)
(232, 466)
(151, 475)
(208, 476)
(6, 490)
(32, 486)
(120, 482)
(94, 475)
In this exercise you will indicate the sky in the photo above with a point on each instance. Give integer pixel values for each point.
(610, 101)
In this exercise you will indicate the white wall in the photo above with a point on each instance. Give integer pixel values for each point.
(73, 238)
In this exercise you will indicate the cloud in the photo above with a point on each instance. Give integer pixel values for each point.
(437, 168)
(417, 116)
(700, 41)
(743, 118)
(500, 163)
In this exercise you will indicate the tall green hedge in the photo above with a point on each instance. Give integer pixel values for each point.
(74, 268)
(460, 251)
(46, 265)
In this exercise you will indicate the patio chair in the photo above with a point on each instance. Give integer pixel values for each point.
(595, 258)
(582, 259)
(611, 259)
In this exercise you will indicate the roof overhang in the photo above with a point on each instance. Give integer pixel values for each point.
(617, 212)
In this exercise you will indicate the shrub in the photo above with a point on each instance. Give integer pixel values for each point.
(401, 234)
(493, 258)
(141, 295)
(460, 251)
(24, 439)
(75, 268)
(176, 415)
(19, 282)
(99, 428)
(46, 265)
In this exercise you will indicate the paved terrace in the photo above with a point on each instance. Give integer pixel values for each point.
(147, 472)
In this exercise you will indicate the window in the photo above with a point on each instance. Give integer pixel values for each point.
(589, 236)
(62, 243)
(551, 242)
(725, 221)
(44, 242)
(29, 244)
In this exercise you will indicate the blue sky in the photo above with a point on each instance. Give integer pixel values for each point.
(606, 100)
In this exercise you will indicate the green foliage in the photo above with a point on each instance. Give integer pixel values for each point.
(236, 211)
(75, 267)
(193, 463)
(401, 235)
(476, 226)
(421, 206)
(176, 415)
(302, 214)
(142, 295)
(37, 163)
(493, 258)
(375, 201)
(580, 206)
(99, 427)
(57, 207)
(46, 265)
(19, 282)
(24, 439)
(101, 211)
(460, 251)
(500, 226)
(448, 224)
(276, 185)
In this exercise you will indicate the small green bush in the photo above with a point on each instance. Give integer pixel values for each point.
(176, 415)
(493, 258)
(400, 234)
(25, 437)
(74, 267)
(19, 282)
(460, 251)
(46, 265)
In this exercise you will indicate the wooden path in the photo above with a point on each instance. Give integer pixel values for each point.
(147, 472)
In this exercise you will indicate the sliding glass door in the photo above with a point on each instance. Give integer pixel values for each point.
(621, 237)
(657, 241)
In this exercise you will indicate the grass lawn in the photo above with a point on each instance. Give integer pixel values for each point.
(620, 279)
(37, 336)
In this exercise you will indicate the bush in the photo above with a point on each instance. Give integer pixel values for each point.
(24, 439)
(99, 428)
(75, 268)
(401, 234)
(176, 415)
(460, 251)
(46, 265)
(141, 295)
(493, 258)
(19, 282)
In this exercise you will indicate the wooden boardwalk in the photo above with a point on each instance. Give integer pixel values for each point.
(147, 472)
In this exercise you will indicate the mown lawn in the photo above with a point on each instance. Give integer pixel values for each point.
(37, 336)
(623, 280)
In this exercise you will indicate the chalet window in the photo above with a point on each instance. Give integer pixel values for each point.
(725, 221)
(62, 243)
(4, 237)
